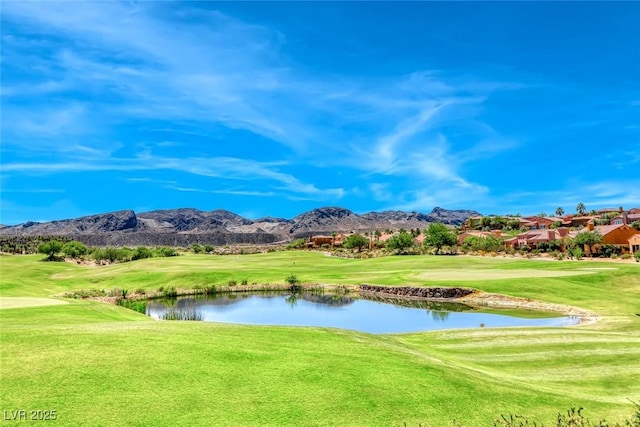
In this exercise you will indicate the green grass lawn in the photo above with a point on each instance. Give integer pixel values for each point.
(105, 365)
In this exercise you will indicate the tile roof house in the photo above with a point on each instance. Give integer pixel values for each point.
(616, 234)
(533, 238)
(634, 243)
(319, 240)
(625, 218)
(582, 221)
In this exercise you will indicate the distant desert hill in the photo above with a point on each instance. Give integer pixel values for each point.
(181, 227)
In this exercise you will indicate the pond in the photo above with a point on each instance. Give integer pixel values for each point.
(377, 316)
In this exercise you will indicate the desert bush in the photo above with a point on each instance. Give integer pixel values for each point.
(608, 251)
(576, 252)
(294, 283)
(292, 279)
(113, 254)
(85, 293)
(485, 244)
(74, 249)
(165, 251)
(297, 244)
(141, 252)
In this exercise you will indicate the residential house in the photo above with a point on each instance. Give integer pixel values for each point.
(533, 238)
(634, 243)
(582, 221)
(616, 234)
(319, 240)
(527, 224)
(609, 210)
(625, 218)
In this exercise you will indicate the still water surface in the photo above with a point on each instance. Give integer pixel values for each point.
(359, 314)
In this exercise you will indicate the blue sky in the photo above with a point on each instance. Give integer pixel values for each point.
(277, 108)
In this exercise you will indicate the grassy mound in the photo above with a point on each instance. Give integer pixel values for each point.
(101, 364)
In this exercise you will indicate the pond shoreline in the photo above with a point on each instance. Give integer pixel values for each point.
(461, 295)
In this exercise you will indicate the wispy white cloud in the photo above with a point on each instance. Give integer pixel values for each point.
(386, 149)
(223, 191)
(190, 65)
(225, 168)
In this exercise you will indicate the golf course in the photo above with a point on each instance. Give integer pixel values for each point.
(99, 364)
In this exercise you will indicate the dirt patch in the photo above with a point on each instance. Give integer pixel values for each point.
(22, 302)
(495, 274)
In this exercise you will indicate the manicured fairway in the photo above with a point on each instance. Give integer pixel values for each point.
(105, 365)
(18, 302)
(493, 274)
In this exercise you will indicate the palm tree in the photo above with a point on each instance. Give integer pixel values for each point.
(580, 208)
(333, 240)
(559, 211)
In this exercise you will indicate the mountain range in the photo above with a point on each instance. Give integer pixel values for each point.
(184, 226)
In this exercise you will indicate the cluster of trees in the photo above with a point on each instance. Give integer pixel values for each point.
(55, 250)
(437, 236)
(27, 244)
(198, 248)
(484, 244)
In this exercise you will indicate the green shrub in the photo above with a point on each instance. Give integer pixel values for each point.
(208, 248)
(165, 251)
(74, 249)
(244, 282)
(637, 256)
(232, 282)
(84, 293)
(141, 252)
(292, 279)
(608, 251)
(297, 244)
(113, 254)
(169, 292)
(486, 244)
(196, 248)
(576, 252)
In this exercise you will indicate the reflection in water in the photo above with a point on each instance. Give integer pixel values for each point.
(440, 316)
(371, 314)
